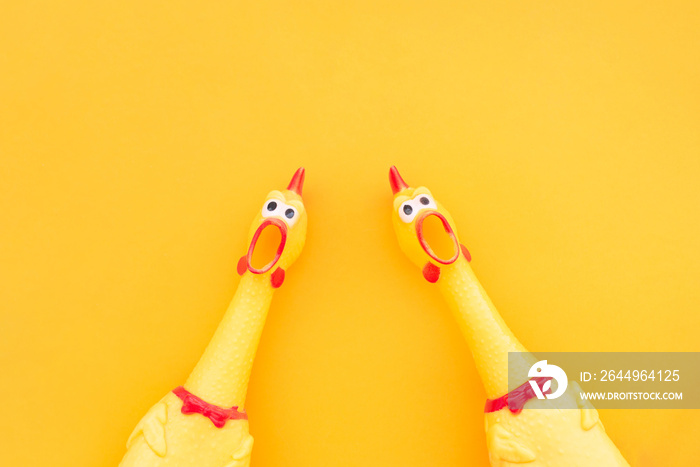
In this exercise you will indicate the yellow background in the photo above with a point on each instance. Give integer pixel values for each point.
(137, 141)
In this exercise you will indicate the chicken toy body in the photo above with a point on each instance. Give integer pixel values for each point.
(571, 436)
(203, 423)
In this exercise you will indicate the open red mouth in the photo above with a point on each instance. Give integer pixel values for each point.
(271, 222)
(433, 240)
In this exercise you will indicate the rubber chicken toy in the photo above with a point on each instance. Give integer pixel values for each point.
(203, 423)
(556, 437)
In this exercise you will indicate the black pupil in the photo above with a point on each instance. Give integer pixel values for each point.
(289, 213)
(424, 201)
(407, 209)
(271, 206)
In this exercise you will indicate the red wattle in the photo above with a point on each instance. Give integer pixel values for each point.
(242, 265)
(465, 252)
(277, 278)
(431, 272)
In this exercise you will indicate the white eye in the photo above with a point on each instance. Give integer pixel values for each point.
(425, 202)
(290, 215)
(272, 207)
(407, 211)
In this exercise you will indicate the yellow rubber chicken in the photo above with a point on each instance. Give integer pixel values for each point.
(203, 423)
(568, 437)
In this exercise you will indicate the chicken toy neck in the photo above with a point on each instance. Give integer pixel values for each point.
(489, 338)
(222, 373)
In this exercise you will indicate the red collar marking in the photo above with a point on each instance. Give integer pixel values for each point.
(217, 415)
(515, 400)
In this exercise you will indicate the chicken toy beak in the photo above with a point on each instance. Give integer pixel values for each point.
(297, 182)
(271, 222)
(426, 245)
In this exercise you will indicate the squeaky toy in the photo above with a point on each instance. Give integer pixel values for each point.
(573, 436)
(203, 422)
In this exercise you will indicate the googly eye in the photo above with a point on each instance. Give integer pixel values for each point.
(291, 215)
(407, 211)
(272, 208)
(425, 202)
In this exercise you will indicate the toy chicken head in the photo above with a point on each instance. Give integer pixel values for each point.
(277, 234)
(424, 228)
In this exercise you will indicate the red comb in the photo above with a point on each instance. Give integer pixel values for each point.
(397, 183)
(297, 182)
